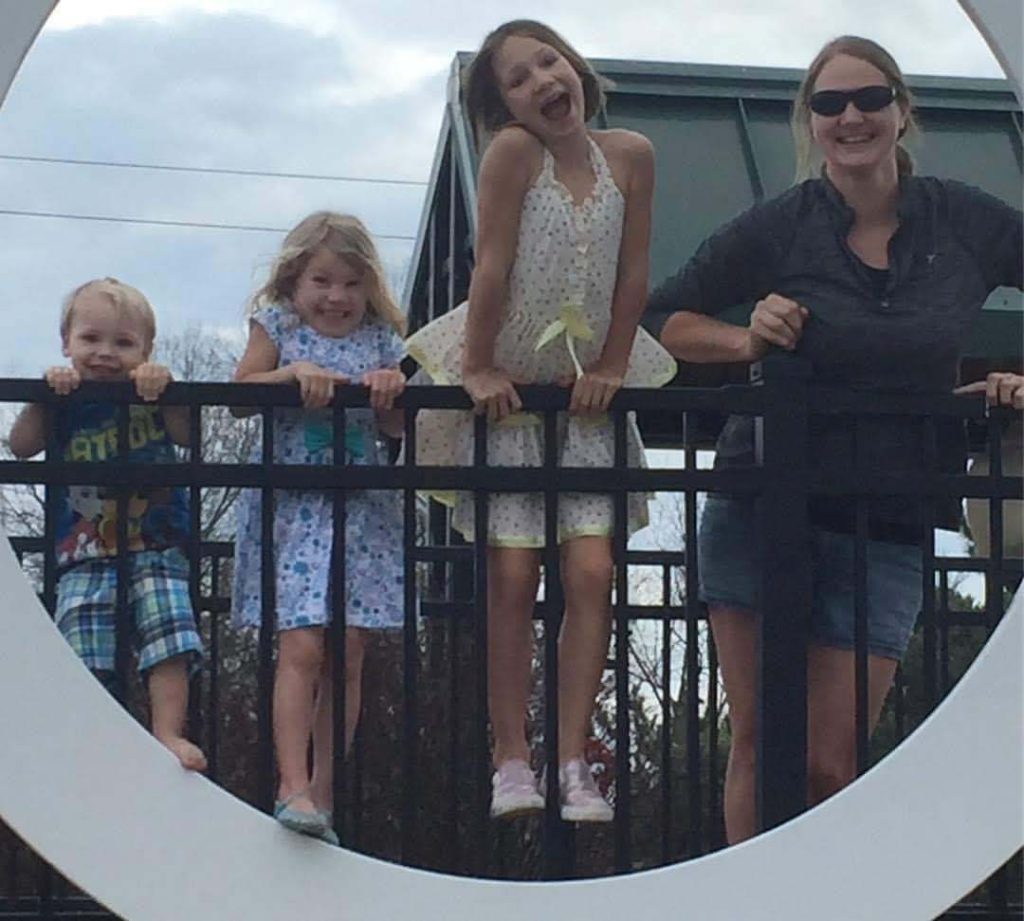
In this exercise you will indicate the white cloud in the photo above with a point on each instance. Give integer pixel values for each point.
(319, 16)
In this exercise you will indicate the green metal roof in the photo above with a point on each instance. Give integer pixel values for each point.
(722, 141)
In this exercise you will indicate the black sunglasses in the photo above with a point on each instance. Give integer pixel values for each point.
(866, 99)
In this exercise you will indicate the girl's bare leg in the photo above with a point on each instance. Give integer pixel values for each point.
(300, 659)
(512, 577)
(587, 570)
(322, 785)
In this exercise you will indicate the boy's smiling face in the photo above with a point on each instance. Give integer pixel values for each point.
(104, 341)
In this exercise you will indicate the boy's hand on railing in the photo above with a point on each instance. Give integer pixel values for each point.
(316, 384)
(492, 392)
(385, 384)
(1001, 388)
(151, 379)
(776, 320)
(62, 379)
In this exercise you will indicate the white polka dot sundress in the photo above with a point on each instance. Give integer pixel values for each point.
(558, 312)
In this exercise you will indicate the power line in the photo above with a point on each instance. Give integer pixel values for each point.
(216, 170)
(164, 223)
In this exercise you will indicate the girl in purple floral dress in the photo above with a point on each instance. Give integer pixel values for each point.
(324, 317)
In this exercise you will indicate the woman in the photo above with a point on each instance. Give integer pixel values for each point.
(873, 275)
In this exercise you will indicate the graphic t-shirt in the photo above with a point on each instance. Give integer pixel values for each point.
(86, 528)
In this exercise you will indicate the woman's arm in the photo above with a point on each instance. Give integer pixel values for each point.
(991, 230)
(505, 174)
(735, 265)
(695, 337)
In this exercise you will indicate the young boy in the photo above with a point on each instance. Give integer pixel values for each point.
(107, 329)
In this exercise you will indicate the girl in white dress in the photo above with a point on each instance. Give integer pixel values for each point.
(556, 294)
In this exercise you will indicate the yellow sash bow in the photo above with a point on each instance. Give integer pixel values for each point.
(573, 325)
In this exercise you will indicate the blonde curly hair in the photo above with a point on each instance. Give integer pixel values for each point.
(347, 238)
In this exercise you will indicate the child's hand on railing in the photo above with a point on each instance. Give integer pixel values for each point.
(151, 379)
(62, 379)
(385, 384)
(492, 392)
(593, 390)
(316, 384)
(1001, 388)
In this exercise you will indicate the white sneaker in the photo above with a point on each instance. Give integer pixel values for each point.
(581, 800)
(514, 790)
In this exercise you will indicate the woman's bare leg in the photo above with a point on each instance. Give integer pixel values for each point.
(831, 715)
(735, 632)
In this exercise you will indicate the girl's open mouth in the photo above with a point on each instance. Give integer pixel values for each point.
(558, 108)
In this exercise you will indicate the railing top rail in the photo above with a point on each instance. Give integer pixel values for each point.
(733, 398)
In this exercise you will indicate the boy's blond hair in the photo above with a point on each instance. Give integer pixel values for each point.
(128, 301)
(347, 238)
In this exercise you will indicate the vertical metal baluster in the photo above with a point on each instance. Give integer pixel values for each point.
(51, 511)
(481, 756)
(453, 631)
(666, 718)
(715, 806)
(785, 597)
(339, 622)
(410, 657)
(213, 697)
(994, 579)
(694, 829)
(944, 627)
(623, 728)
(929, 618)
(123, 620)
(556, 833)
(860, 610)
(860, 636)
(197, 729)
(268, 621)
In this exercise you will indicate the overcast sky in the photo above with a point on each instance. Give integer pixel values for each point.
(334, 87)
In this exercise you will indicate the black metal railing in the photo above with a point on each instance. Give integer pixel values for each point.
(416, 787)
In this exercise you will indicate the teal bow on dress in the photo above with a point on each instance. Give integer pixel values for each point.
(319, 436)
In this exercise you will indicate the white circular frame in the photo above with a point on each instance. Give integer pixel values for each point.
(93, 792)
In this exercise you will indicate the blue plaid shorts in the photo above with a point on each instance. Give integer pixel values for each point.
(163, 625)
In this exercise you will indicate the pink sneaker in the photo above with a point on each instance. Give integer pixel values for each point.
(581, 800)
(514, 790)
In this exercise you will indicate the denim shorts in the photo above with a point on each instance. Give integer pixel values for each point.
(730, 574)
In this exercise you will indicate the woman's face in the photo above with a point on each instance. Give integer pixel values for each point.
(539, 86)
(855, 141)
